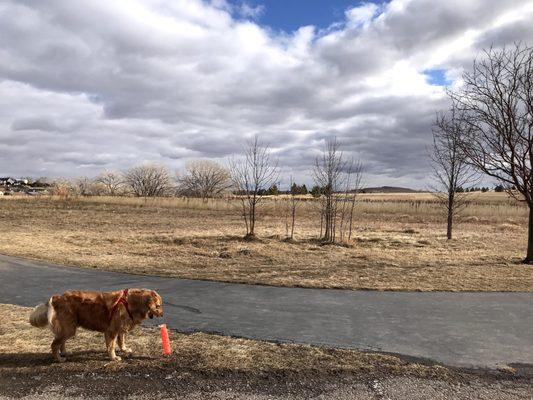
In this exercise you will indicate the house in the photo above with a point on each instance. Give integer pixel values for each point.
(7, 181)
(20, 182)
(13, 182)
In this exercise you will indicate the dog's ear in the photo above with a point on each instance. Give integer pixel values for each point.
(156, 297)
(148, 298)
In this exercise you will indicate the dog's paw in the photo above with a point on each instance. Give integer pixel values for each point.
(127, 350)
(116, 358)
(61, 359)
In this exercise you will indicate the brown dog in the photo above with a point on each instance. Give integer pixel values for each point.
(113, 313)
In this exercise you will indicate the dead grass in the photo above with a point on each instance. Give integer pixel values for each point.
(399, 242)
(25, 349)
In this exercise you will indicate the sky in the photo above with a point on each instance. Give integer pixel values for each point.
(88, 86)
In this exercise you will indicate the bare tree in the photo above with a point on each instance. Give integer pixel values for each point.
(83, 186)
(63, 188)
(327, 174)
(451, 170)
(339, 182)
(204, 179)
(353, 185)
(250, 177)
(292, 205)
(112, 181)
(496, 101)
(148, 180)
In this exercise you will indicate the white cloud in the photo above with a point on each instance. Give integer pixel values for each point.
(361, 15)
(105, 86)
(248, 11)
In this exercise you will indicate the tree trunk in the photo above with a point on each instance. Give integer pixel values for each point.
(245, 215)
(252, 218)
(351, 217)
(321, 222)
(529, 257)
(327, 220)
(449, 226)
(293, 219)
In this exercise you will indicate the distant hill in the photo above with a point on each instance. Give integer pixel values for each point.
(388, 189)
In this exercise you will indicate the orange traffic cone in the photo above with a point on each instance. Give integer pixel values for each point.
(165, 340)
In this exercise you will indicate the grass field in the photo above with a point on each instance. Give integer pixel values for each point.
(398, 244)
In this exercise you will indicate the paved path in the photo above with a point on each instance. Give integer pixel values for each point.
(458, 329)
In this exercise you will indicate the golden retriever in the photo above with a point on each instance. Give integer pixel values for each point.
(112, 313)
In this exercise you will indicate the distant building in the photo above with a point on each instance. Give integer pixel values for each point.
(13, 182)
(7, 181)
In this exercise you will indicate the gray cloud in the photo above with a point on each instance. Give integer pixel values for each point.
(106, 86)
(40, 124)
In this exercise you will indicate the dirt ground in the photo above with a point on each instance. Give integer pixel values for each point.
(397, 244)
(236, 386)
(210, 366)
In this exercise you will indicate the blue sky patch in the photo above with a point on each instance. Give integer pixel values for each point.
(289, 15)
(437, 77)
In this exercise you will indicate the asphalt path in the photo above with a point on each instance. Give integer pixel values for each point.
(466, 329)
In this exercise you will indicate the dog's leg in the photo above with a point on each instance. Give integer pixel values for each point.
(110, 341)
(68, 332)
(57, 344)
(122, 343)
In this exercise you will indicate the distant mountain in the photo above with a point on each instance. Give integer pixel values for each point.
(388, 189)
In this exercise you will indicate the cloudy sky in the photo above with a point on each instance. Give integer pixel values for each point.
(93, 85)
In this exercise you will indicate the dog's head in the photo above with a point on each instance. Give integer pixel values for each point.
(153, 304)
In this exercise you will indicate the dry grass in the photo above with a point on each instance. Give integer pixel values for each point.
(25, 349)
(399, 242)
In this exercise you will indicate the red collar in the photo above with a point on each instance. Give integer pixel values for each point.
(122, 300)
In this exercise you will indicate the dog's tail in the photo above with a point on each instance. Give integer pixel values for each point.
(42, 315)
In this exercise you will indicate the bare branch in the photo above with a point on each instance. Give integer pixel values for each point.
(250, 177)
(451, 170)
(339, 182)
(496, 103)
(204, 179)
(148, 180)
(112, 181)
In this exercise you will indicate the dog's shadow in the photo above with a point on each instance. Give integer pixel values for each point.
(25, 359)
(18, 360)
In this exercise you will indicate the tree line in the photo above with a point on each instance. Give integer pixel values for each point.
(203, 179)
(249, 177)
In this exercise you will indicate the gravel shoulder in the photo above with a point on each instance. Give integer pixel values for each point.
(268, 385)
